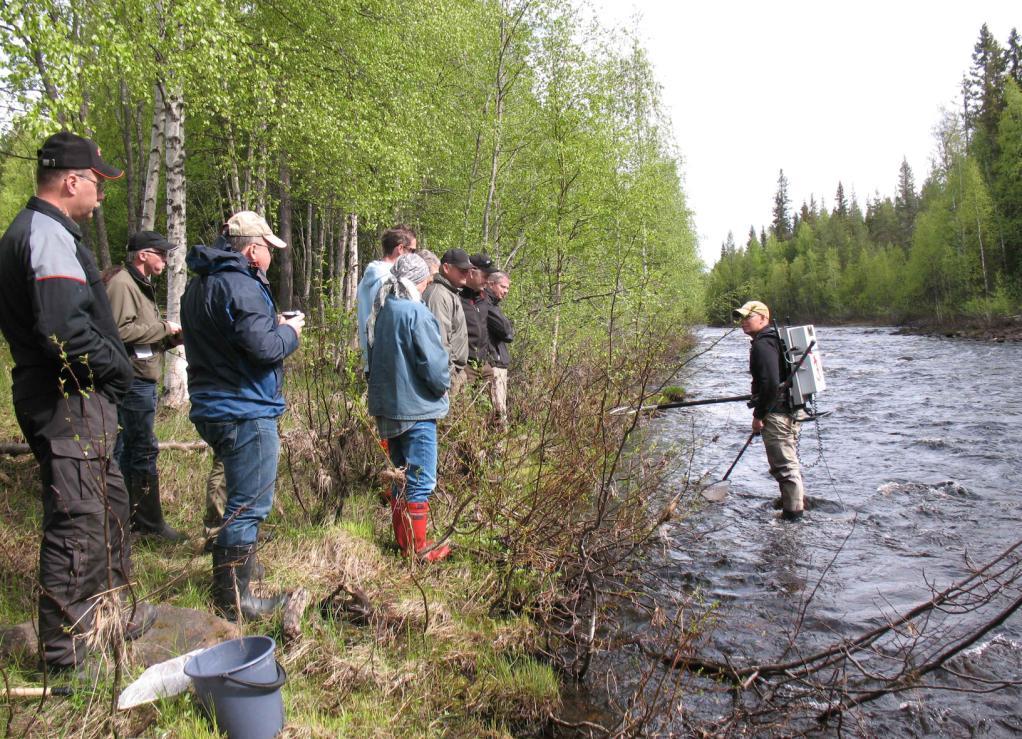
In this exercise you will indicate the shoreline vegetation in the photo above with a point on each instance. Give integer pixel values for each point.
(520, 129)
(546, 519)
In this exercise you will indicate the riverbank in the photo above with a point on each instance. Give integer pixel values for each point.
(999, 329)
(539, 513)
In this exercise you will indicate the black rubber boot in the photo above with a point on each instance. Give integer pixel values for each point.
(145, 616)
(146, 510)
(232, 573)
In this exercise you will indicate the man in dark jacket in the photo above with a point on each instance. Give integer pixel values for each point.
(501, 333)
(70, 370)
(772, 413)
(145, 335)
(236, 344)
(476, 306)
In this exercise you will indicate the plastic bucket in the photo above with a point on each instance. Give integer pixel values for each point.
(238, 683)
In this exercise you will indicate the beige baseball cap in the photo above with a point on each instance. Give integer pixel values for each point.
(248, 223)
(753, 306)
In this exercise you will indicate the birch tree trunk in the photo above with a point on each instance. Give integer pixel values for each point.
(317, 269)
(127, 126)
(351, 294)
(307, 257)
(285, 257)
(175, 381)
(102, 240)
(147, 221)
(344, 268)
(332, 286)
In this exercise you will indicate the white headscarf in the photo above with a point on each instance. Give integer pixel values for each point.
(409, 270)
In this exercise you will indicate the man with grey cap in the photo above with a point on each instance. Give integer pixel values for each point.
(70, 371)
(442, 297)
(772, 413)
(146, 335)
(236, 344)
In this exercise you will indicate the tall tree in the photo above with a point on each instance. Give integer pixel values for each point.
(1014, 57)
(840, 202)
(906, 204)
(781, 225)
(984, 95)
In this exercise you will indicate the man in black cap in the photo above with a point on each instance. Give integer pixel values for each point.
(146, 335)
(476, 305)
(441, 297)
(70, 371)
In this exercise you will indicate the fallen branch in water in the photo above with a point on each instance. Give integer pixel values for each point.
(883, 661)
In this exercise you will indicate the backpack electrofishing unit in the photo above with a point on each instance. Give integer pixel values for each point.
(804, 365)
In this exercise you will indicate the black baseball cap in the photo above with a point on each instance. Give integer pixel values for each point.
(150, 240)
(457, 258)
(66, 150)
(483, 262)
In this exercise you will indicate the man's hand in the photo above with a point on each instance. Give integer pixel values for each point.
(757, 425)
(296, 322)
(175, 328)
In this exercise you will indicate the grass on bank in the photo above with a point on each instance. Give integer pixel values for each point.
(465, 672)
(543, 515)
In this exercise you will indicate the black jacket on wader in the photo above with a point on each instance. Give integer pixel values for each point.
(769, 370)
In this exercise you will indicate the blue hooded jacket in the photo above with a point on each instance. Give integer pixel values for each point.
(408, 373)
(234, 345)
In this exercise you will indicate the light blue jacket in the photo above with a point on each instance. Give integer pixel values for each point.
(408, 374)
(368, 286)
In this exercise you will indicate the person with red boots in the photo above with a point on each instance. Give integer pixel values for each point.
(408, 383)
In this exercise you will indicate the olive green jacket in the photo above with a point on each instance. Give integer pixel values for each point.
(443, 301)
(144, 333)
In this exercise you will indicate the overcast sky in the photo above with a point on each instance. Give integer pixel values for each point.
(825, 91)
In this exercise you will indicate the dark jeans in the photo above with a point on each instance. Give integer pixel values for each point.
(85, 548)
(248, 449)
(137, 447)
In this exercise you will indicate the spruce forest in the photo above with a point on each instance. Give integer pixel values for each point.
(950, 249)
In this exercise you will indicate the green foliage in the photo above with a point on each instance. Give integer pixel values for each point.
(953, 250)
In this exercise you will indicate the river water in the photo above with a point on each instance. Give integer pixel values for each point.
(915, 469)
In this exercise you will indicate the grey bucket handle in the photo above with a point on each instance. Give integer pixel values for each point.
(274, 685)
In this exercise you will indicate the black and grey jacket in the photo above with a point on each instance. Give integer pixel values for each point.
(52, 302)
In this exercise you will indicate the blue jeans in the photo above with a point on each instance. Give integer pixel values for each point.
(248, 450)
(416, 449)
(136, 447)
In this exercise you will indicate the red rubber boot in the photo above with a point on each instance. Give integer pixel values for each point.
(419, 513)
(399, 518)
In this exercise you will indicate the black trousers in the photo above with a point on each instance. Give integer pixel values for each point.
(86, 549)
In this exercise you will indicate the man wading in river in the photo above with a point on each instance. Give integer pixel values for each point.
(772, 412)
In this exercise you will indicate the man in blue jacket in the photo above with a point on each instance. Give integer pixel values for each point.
(408, 383)
(236, 344)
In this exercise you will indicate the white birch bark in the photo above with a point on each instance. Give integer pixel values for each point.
(351, 238)
(147, 221)
(175, 380)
